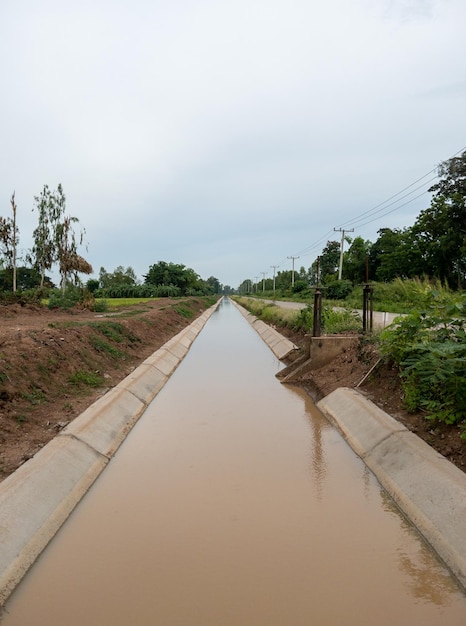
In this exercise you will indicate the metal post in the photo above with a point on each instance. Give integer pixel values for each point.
(316, 324)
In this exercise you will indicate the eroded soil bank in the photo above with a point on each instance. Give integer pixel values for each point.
(54, 364)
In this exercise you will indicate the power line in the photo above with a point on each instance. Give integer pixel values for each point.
(379, 210)
(373, 211)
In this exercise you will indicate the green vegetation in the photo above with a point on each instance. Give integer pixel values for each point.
(86, 378)
(398, 296)
(35, 396)
(429, 348)
(434, 247)
(332, 321)
(101, 345)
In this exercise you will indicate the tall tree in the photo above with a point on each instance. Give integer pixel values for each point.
(329, 260)
(55, 239)
(176, 274)
(51, 209)
(69, 261)
(354, 260)
(119, 276)
(440, 230)
(9, 240)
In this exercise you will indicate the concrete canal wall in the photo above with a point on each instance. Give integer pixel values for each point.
(428, 489)
(37, 499)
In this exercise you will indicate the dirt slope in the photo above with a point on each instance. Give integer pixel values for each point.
(54, 364)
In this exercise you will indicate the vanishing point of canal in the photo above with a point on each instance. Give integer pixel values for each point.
(233, 502)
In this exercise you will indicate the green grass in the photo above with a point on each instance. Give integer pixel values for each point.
(183, 311)
(36, 396)
(86, 378)
(116, 303)
(101, 345)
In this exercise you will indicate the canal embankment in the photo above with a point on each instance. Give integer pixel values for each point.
(38, 498)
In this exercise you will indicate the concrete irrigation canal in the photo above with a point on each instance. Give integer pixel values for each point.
(233, 501)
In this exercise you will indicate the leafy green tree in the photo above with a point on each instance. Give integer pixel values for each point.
(440, 231)
(354, 260)
(55, 239)
(452, 175)
(283, 280)
(9, 241)
(329, 260)
(440, 235)
(26, 278)
(50, 207)
(178, 275)
(92, 285)
(394, 255)
(214, 285)
(119, 276)
(69, 261)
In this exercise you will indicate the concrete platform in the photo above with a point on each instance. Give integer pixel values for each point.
(37, 499)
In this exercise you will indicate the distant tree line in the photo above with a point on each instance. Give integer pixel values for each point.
(162, 279)
(434, 247)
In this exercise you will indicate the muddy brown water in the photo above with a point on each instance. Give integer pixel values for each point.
(234, 502)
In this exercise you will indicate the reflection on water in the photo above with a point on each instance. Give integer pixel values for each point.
(234, 502)
(425, 575)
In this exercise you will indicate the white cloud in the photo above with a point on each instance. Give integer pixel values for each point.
(217, 134)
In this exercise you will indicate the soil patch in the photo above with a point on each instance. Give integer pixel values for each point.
(54, 364)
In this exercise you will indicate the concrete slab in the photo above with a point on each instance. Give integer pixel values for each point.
(104, 425)
(144, 382)
(164, 361)
(36, 500)
(428, 489)
(363, 425)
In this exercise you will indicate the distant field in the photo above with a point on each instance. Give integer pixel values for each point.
(115, 303)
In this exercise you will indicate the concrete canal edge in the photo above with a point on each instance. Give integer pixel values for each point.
(280, 345)
(39, 496)
(428, 489)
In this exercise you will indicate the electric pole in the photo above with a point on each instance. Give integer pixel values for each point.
(292, 271)
(263, 280)
(274, 267)
(342, 231)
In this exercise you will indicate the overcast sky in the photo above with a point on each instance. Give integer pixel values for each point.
(227, 135)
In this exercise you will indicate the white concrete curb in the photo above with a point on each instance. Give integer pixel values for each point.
(428, 489)
(279, 345)
(37, 498)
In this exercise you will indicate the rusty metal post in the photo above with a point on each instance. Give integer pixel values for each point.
(316, 326)
(367, 303)
(367, 308)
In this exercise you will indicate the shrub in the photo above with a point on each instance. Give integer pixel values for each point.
(429, 348)
(338, 289)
